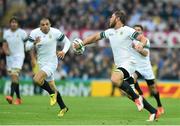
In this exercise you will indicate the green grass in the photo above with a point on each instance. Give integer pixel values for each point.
(96, 111)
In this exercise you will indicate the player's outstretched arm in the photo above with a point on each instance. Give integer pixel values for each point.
(90, 39)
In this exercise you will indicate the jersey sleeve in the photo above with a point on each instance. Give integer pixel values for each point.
(32, 37)
(59, 36)
(4, 36)
(24, 36)
(30, 41)
(105, 34)
(62, 38)
(132, 33)
(148, 45)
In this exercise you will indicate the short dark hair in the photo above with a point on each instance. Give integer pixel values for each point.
(140, 26)
(44, 18)
(121, 15)
(14, 18)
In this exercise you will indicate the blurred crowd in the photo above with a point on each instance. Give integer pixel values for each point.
(97, 62)
(166, 64)
(93, 14)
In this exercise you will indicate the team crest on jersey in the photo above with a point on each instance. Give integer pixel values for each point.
(50, 36)
(121, 33)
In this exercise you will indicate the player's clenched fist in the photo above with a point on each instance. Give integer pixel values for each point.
(138, 47)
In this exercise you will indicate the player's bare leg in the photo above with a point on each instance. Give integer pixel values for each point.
(39, 79)
(60, 101)
(117, 78)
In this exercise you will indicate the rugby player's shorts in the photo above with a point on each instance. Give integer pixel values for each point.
(146, 72)
(14, 64)
(49, 69)
(128, 68)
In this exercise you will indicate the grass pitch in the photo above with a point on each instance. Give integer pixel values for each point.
(36, 110)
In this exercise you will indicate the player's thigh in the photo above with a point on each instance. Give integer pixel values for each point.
(39, 77)
(123, 72)
(49, 69)
(45, 73)
(128, 68)
(136, 75)
(117, 77)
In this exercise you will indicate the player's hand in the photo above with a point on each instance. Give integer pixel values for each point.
(76, 45)
(37, 40)
(60, 54)
(138, 47)
(7, 53)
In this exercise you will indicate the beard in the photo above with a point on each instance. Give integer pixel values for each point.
(112, 25)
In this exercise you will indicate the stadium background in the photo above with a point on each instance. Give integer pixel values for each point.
(88, 74)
